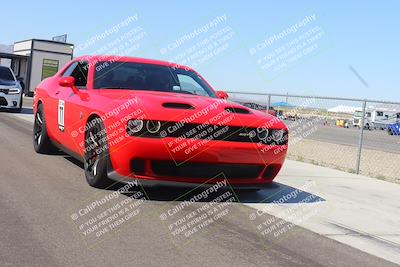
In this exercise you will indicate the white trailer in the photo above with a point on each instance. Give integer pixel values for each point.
(376, 118)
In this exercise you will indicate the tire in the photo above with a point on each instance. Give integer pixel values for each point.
(96, 155)
(390, 132)
(41, 141)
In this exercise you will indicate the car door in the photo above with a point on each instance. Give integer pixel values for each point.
(54, 107)
(74, 106)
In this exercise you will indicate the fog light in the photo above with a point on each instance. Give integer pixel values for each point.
(14, 103)
(153, 126)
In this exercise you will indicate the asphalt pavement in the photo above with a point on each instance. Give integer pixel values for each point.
(373, 139)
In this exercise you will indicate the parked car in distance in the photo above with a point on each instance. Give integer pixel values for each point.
(394, 129)
(10, 90)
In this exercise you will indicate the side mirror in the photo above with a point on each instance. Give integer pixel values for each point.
(222, 95)
(68, 82)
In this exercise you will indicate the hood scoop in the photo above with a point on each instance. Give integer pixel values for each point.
(177, 105)
(237, 110)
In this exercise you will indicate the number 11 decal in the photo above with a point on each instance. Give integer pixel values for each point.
(61, 115)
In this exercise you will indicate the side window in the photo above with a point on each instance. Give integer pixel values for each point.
(379, 113)
(69, 70)
(188, 84)
(80, 74)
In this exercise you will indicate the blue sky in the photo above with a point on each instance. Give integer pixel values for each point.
(355, 34)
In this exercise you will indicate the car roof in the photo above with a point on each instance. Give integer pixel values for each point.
(98, 58)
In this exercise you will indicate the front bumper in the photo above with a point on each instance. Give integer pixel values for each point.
(154, 161)
(10, 101)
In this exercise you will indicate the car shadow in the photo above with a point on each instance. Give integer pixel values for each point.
(72, 160)
(271, 193)
(279, 193)
(26, 110)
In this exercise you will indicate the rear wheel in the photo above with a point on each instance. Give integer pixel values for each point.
(41, 141)
(96, 154)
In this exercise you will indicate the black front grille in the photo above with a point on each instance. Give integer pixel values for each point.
(5, 91)
(137, 166)
(3, 101)
(212, 132)
(271, 171)
(205, 170)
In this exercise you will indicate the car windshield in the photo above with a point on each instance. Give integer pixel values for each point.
(6, 77)
(138, 76)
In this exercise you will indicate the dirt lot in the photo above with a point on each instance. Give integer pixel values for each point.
(374, 163)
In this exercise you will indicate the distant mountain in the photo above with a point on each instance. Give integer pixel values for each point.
(6, 48)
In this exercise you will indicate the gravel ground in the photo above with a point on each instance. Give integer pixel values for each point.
(374, 163)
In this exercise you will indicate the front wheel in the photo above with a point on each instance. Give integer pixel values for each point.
(96, 154)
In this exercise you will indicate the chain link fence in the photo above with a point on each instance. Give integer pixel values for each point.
(354, 135)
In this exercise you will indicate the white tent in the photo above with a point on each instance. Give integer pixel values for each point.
(343, 109)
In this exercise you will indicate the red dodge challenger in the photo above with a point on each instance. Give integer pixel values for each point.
(158, 122)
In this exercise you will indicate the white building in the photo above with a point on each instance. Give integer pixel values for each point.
(35, 59)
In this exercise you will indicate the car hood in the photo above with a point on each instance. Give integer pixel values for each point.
(8, 84)
(179, 107)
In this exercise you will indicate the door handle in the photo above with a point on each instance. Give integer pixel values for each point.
(57, 92)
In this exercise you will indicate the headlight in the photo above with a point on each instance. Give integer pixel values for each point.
(135, 126)
(262, 133)
(153, 126)
(277, 135)
(13, 91)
